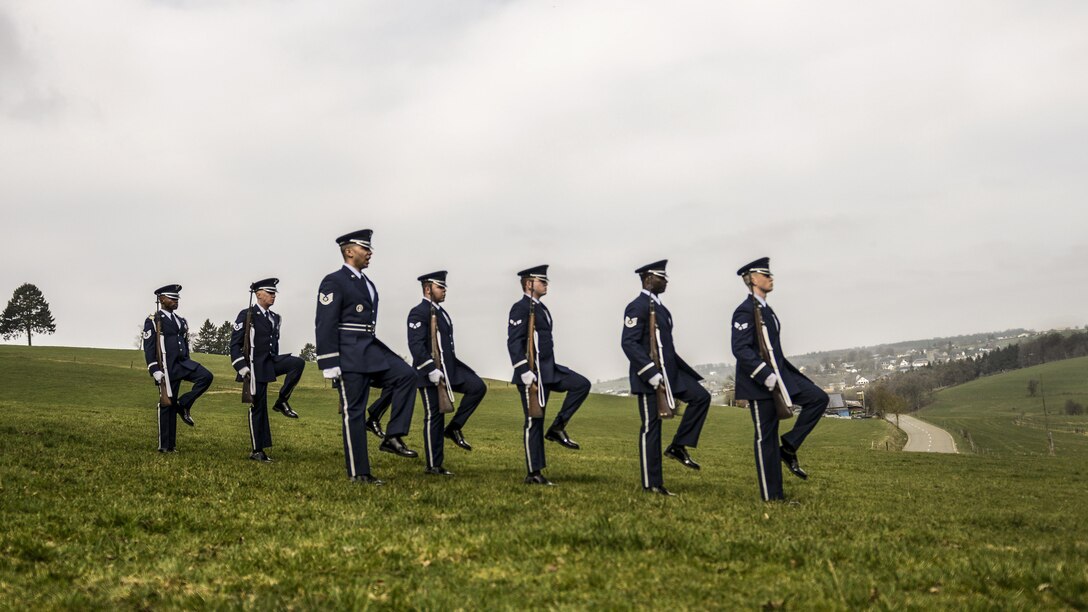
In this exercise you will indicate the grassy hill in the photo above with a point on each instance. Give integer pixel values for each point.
(93, 517)
(1002, 419)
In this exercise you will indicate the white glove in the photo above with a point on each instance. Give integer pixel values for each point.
(435, 376)
(656, 380)
(771, 380)
(158, 377)
(243, 371)
(528, 378)
(331, 372)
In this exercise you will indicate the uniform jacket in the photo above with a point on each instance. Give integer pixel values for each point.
(345, 323)
(517, 337)
(265, 340)
(176, 339)
(752, 371)
(419, 344)
(636, 340)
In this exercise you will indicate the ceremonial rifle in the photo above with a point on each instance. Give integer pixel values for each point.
(666, 403)
(782, 402)
(249, 386)
(165, 389)
(445, 394)
(536, 391)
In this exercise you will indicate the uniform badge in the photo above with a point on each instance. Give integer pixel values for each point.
(740, 326)
(324, 299)
(514, 323)
(630, 321)
(238, 326)
(359, 308)
(147, 335)
(415, 325)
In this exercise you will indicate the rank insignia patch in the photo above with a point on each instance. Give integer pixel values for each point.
(238, 326)
(515, 323)
(415, 325)
(630, 321)
(147, 334)
(740, 326)
(324, 299)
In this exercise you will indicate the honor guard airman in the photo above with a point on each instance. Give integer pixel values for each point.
(166, 350)
(660, 378)
(254, 353)
(349, 353)
(763, 372)
(439, 373)
(536, 373)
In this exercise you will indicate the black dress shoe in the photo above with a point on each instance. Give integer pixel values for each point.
(458, 438)
(187, 418)
(679, 453)
(538, 479)
(558, 434)
(374, 427)
(660, 491)
(790, 459)
(392, 444)
(258, 455)
(367, 479)
(284, 408)
(438, 471)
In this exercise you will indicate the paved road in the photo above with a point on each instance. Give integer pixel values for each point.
(923, 437)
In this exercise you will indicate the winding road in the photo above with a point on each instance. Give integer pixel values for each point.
(923, 437)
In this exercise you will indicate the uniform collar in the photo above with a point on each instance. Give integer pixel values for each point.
(350, 268)
(432, 302)
(652, 296)
(170, 315)
(262, 310)
(762, 302)
(533, 298)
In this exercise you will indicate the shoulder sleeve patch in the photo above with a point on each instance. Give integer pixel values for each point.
(630, 321)
(740, 326)
(514, 323)
(147, 335)
(415, 324)
(238, 326)
(325, 299)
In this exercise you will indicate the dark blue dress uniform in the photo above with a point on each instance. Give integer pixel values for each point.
(179, 367)
(461, 377)
(751, 375)
(681, 377)
(347, 315)
(265, 364)
(552, 376)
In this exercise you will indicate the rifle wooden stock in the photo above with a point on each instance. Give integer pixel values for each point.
(164, 385)
(782, 402)
(665, 401)
(247, 348)
(445, 391)
(536, 406)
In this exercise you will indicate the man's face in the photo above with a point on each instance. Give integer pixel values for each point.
(168, 304)
(539, 287)
(658, 283)
(265, 298)
(763, 282)
(358, 256)
(438, 294)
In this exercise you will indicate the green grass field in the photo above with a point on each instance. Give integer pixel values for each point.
(93, 517)
(1002, 419)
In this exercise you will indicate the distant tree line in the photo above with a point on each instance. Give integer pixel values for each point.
(215, 340)
(911, 390)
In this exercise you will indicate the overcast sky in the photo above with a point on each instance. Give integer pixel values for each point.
(912, 169)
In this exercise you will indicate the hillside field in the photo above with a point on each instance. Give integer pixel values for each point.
(93, 517)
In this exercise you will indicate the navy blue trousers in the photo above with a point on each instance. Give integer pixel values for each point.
(434, 422)
(354, 389)
(260, 432)
(768, 449)
(168, 415)
(687, 434)
(577, 388)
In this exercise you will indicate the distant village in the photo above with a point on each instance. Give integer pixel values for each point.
(846, 373)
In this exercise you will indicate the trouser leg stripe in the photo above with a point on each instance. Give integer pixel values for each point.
(428, 439)
(528, 429)
(347, 429)
(759, 452)
(252, 433)
(645, 409)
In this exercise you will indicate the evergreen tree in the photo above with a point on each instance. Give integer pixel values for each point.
(222, 339)
(308, 352)
(27, 313)
(206, 337)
